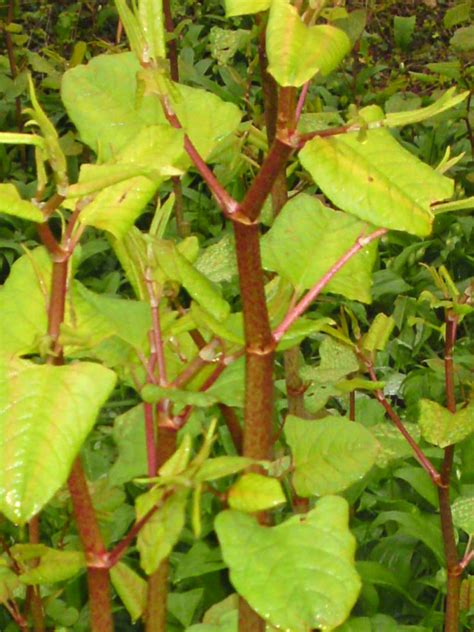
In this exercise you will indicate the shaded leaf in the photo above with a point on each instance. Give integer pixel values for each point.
(290, 245)
(393, 444)
(329, 454)
(443, 428)
(131, 588)
(463, 514)
(282, 571)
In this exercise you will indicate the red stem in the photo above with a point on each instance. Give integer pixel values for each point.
(301, 100)
(451, 616)
(150, 438)
(306, 301)
(421, 457)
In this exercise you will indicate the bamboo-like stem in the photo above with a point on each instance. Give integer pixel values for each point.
(150, 439)
(451, 615)
(157, 593)
(98, 579)
(306, 301)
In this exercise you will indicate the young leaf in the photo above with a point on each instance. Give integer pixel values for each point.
(255, 492)
(296, 51)
(282, 571)
(152, 393)
(150, 14)
(133, 28)
(131, 588)
(221, 466)
(379, 333)
(448, 100)
(159, 535)
(54, 566)
(245, 7)
(329, 454)
(12, 204)
(290, 245)
(377, 180)
(46, 412)
(441, 427)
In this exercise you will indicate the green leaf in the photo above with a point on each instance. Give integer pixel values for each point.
(463, 39)
(150, 159)
(455, 205)
(150, 13)
(12, 204)
(446, 101)
(377, 180)
(296, 51)
(101, 100)
(229, 388)
(329, 454)
(159, 535)
(131, 588)
(152, 394)
(245, 7)
(46, 412)
(393, 444)
(282, 571)
(183, 605)
(422, 526)
(54, 566)
(23, 304)
(218, 261)
(221, 466)
(403, 28)
(357, 383)
(255, 492)
(289, 248)
(443, 428)
(10, 585)
(463, 514)
(129, 435)
(379, 333)
(461, 12)
(132, 26)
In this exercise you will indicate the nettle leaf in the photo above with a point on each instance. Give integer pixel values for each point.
(101, 99)
(463, 514)
(245, 7)
(255, 492)
(131, 588)
(376, 179)
(296, 51)
(54, 565)
(393, 444)
(23, 303)
(329, 454)
(11, 203)
(159, 535)
(46, 412)
(305, 226)
(282, 571)
(443, 428)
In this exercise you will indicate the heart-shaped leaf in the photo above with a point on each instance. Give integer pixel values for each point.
(376, 179)
(255, 492)
(329, 454)
(46, 412)
(282, 571)
(296, 51)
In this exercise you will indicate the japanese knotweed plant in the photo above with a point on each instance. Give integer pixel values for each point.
(184, 348)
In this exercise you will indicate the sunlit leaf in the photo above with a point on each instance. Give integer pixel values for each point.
(296, 51)
(376, 179)
(12, 204)
(46, 412)
(255, 492)
(245, 7)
